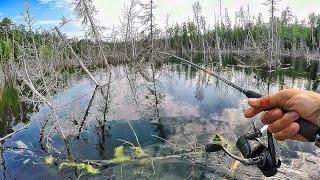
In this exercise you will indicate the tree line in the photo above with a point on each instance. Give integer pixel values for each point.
(295, 37)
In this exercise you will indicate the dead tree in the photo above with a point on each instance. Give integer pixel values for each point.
(166, 43)
(147, 20)
(128, 26)
(85, 11)
(66, 42)
(274, 49)
(199, 20)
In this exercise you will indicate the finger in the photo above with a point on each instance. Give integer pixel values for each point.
(282, 123)
(271, 116)
(259, 103)
(279, 99)
(251, 112)
(287, 133)
(299, 137)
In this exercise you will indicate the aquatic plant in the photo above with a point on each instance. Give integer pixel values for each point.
(138, 152)
(79, 166)
(119, 156)
(49, 160)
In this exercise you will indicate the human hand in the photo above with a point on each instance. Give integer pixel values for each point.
(298, 103)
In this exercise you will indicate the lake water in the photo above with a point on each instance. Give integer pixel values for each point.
(168, 109)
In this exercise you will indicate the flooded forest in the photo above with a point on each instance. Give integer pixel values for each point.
(117, 104)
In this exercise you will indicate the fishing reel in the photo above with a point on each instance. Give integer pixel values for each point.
(254, 152)
(252, 147)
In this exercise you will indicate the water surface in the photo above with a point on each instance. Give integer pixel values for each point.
(172, 108)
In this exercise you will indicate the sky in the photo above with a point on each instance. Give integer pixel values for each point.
(48, 12)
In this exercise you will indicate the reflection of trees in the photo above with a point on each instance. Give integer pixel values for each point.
(82, 123)
(12, 111)
(155, 96)
(102, 128)
(132, 78)
(5, 172)
(150, 73)
(313, 78)
(199, 92)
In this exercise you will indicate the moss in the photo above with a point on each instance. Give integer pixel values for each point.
(72, 70)
(138, 151)
(49, 160)
(79, 166)
(119, 156)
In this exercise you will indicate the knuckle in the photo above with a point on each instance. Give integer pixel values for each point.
(293, 128)
(284, 91)
(299, 96)
(264, 101)
(273, 128)
(270, 116)
(264, 118)
(280, 137)
(290, 117)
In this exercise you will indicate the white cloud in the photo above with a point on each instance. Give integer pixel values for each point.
(57, 3)
(75, 34)
(73, 30)
(1, 13)
(17, 18)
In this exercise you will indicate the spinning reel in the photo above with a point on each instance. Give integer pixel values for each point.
(254, 152)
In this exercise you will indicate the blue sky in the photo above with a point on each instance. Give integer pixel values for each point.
(46, 12)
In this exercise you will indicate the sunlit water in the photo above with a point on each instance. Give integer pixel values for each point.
(172, 110)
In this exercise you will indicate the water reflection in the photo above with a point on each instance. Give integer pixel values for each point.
(12, 111)
(167, 108)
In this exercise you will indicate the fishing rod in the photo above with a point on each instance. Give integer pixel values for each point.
(250, 146)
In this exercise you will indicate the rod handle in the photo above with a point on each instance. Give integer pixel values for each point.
(308, 129)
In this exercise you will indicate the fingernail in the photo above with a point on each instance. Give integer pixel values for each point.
(293, 114)
(276, 113)
(253, 101)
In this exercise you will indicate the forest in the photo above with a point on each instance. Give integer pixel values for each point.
(118, 103)
(249, 35)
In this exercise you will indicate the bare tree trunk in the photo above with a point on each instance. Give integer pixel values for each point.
(77, 57)
(95, 33)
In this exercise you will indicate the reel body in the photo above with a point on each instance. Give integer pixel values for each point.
(254, 152)
(251, 147)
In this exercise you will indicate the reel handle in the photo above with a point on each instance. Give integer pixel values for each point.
(308, 129)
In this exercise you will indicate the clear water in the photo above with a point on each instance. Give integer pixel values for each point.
(173, 110)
